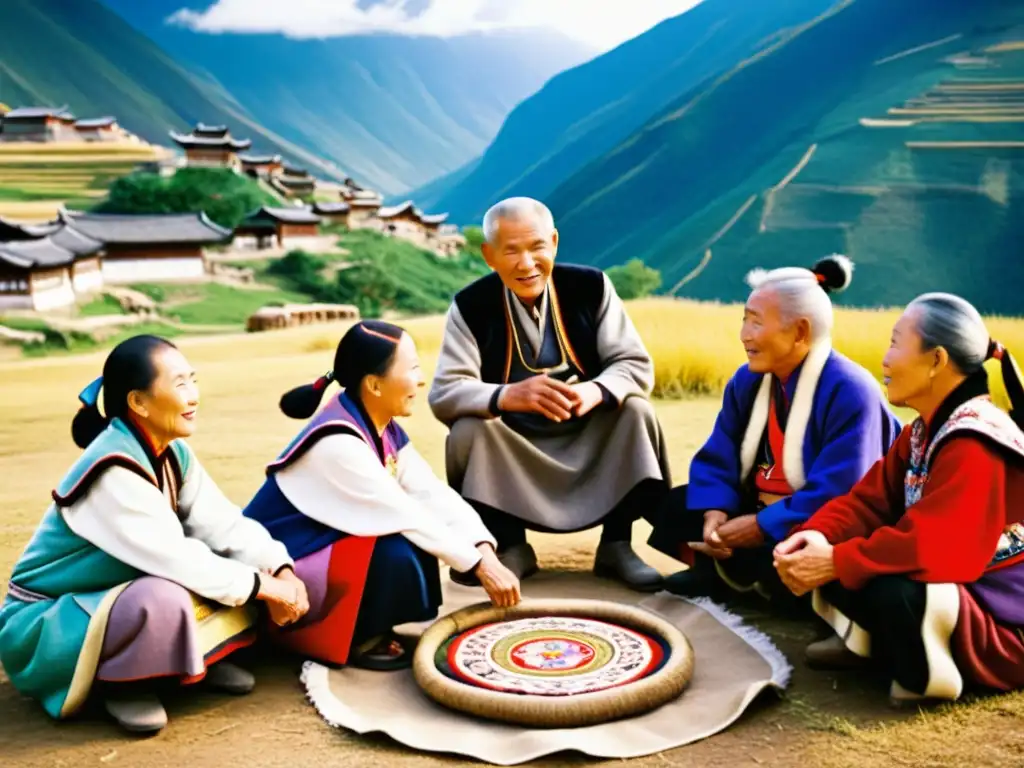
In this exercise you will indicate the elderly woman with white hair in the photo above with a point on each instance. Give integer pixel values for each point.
(920, 567)
(800, 424)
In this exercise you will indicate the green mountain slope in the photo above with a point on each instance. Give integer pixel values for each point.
(770, 165)
(765, 161)
(79, 53)
(393, 111)
(587, 111)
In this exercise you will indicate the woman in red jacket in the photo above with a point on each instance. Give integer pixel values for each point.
(921, 566)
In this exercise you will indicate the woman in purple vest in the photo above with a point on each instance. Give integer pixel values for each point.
(363, 515)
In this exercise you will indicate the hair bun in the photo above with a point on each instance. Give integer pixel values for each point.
(834, 273)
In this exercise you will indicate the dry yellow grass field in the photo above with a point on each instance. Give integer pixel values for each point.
(829, 721)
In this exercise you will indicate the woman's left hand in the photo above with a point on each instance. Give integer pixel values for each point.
(301, 593)
(809, 567)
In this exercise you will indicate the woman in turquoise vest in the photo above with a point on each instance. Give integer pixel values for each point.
(140, 568)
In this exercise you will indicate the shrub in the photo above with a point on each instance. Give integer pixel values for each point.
(634, 280)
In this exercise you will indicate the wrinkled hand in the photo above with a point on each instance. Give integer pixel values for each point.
(713, 545)
(590, 396)
(805, 561)
(303, 595)
(540, 394)
(741, 532)
(501, 585)
(286, 601)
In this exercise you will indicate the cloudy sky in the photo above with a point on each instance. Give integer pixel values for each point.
(602, 24)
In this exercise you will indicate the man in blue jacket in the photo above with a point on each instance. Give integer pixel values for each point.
(800, 424)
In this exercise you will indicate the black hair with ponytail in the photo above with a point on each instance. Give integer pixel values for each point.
(130, 366)
(1011, 379)
(367, 349)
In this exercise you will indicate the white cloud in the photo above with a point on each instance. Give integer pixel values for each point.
(602, 24)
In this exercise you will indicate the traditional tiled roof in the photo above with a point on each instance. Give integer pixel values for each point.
(78, 243)
(433, 218)
(34, 113)
(283, 215)
(211, 142)
(330, 208)
(290, 181)
(210, 131)
(96, 122)
(32, 254)
(147, 228)
(294, 170)
(259, 159)
(364, 202)
(391, 212)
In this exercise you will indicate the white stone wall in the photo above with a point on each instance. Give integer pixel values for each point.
(52, 291)
(88, 281)
(126, 271)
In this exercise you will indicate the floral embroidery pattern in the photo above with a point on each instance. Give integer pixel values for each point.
(978, 415)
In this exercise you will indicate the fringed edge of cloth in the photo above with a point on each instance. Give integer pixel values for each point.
(316, 680)
(782, 670)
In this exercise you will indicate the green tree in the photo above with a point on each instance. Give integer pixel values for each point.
(226, 197)
(634, 280)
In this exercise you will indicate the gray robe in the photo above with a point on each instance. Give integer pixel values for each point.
(562, 482)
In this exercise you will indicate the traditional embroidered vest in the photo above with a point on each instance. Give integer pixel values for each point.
(302, 535)
(575, 297)
(57, 560)
(980, 416)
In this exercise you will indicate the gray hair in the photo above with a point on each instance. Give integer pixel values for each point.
(800, 296)
(950, 322)
(517, 209)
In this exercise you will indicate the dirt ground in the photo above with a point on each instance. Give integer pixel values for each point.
(832, 721)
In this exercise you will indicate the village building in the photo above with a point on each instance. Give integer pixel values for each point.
(36, 275)
(11, 231)
(211, 146)
(363, 211)
(333, 213)
(281, 227)
(260, 166)
(294, 182)
(402, 220)
(41, 124)
(87, 268)
(99, 129)
(150, 247)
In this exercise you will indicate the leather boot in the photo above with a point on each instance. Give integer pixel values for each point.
(230, 678)
(617, 560)
(832, 653)
(136, 712)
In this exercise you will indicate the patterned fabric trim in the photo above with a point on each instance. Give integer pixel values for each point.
(982, 417)
(25, 595)
(89, 476)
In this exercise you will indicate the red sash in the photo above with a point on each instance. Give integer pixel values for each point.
(771, 479)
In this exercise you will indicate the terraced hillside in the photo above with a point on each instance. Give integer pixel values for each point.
(36, 180)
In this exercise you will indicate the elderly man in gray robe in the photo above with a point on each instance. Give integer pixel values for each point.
(543, 381)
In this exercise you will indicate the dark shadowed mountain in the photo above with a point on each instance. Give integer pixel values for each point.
(891, 130)
(393, 111)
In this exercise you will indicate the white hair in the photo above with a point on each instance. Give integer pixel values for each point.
(800, 296)
(954, 324)
(517, 209)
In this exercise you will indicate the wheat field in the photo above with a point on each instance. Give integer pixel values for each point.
(695, 345)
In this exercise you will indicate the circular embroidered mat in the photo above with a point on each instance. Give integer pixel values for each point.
(553, 663)
(550, 656)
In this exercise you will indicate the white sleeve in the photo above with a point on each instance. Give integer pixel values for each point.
(129, 518)
(457, 389)
(628, 368)
(419, 481)
(341, 483)
(210, 517)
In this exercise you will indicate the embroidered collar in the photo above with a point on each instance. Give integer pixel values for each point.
(975, 385)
